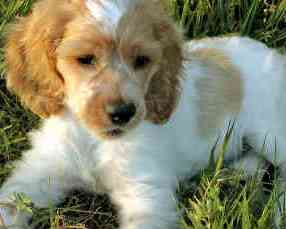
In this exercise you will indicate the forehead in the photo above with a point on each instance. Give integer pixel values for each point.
(117, 21)
(108, 13)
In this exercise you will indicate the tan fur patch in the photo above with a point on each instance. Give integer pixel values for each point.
(30, 58)
(220, 90)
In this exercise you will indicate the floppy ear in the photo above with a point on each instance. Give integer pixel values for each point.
(31, 60)
(164, 89)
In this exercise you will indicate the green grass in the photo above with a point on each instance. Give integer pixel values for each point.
(217, 198)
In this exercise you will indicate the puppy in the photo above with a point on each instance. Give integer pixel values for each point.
(129, 107)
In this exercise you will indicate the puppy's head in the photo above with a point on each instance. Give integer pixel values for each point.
(113, 63)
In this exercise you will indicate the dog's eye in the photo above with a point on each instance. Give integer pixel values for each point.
(141, 62)
(87, 60)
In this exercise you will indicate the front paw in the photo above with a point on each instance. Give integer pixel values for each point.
(9, 218)
(149, 225)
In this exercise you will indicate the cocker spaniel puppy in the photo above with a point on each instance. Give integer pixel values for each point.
(130, 107)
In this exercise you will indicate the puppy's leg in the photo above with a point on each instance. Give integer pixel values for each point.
(144, 206)
(250, 164)
(281, 198)
(274, 149)
(43, 177)
(140, 172)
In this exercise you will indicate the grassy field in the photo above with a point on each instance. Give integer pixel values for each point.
(218, 198)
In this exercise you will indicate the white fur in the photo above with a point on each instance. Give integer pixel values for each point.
(107, 13)
(140, 170)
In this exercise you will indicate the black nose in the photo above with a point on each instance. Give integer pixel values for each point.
(123, 113)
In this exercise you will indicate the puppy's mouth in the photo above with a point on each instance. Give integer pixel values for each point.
(117, 132)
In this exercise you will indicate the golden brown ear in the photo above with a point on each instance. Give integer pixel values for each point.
(164, 89)
(31, 60)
